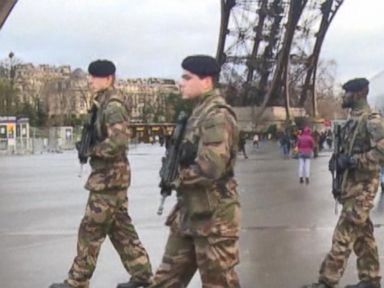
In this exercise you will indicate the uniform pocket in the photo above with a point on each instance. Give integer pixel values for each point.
(217, 253)
(201, 203)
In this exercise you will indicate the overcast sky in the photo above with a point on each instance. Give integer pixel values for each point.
(149, 38)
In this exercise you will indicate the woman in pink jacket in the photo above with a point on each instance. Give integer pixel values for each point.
(305, 145)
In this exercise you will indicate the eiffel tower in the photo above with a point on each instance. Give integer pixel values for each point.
(269, 48)
(6, 7)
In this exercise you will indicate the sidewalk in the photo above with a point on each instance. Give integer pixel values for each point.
(286, 226)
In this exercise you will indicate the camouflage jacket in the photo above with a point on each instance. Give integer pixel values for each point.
(207, 197)
(367, 148)
(108, 160)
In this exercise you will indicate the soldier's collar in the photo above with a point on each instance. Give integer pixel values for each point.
(360, 108)
(360, 104)
(207, 95)
(103, 95)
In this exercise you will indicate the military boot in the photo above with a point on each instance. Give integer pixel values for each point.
(317, 285)
(133, 284)
(365, 284)
(60, 285)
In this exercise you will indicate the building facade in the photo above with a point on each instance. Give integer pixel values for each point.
(63, 93)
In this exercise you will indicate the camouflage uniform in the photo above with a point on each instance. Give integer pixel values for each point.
(106, 212)
(205, 223)
(354, 229)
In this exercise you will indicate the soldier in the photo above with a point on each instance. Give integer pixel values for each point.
(362, 141)
(204, 224)
(106, 211)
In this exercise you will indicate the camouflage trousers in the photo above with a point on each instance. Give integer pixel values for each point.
(214, 256)
(106, 214)
(354, 230)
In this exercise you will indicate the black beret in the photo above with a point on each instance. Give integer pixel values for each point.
(201, 65)
(101, 68)
(355, 85)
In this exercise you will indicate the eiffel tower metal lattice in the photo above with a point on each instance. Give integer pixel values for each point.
(269, 47)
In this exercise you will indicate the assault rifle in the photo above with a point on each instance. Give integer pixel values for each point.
(170, 162)
(88, 135)
(337, 175)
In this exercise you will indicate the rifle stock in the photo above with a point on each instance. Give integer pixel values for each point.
(170, 162)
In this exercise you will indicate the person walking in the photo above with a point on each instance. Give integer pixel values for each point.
(242, 143)
(329, 138)
(305, 145)
(362, 145)
(316, 140)
(205, 222)
(285, 143)
(106, 212)
(256, 140)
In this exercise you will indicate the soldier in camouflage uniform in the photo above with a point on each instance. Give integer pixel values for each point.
(204, 224)
(106, 211)
(362, 142)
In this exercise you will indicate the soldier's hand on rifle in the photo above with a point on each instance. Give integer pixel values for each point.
(344, 162)
(83, 157)
(188, 153)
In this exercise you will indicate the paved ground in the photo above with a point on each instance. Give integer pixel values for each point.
(286, 226)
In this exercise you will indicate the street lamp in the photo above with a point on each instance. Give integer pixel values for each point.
(12, 69)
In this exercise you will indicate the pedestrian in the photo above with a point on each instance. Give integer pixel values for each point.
(161, 140)
(322, 140)
(285, 143)
(106, 212)
(362, 143)
(305, 145)
(256, 140)
(316, 141)
(242, 142)
(205, 222)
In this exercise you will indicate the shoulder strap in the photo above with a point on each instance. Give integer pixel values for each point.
(224, 106)
(119, 100)
(229, 173)
(360, 121)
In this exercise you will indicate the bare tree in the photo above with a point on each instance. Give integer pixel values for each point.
(9, 93)
(328, 99)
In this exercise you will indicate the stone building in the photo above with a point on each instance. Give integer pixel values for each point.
(64, 93)
(147, 97)
(271, 116)
(58, 90)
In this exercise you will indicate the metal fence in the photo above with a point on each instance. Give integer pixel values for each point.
(45, 140)
(41, 140)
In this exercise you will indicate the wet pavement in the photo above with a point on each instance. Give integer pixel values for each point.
(286, 226)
